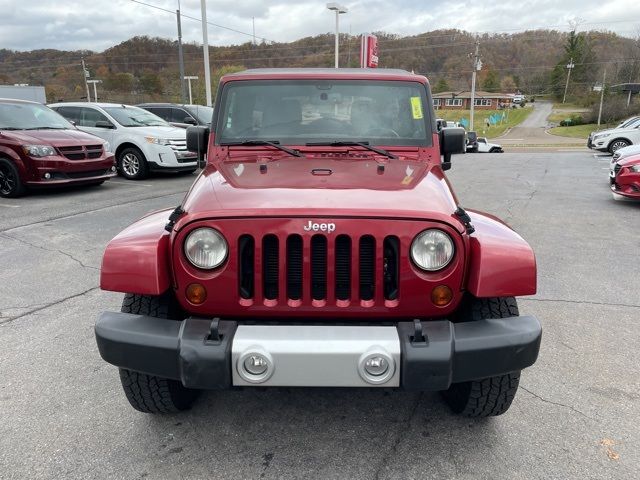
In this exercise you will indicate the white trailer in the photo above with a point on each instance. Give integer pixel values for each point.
(23, 92)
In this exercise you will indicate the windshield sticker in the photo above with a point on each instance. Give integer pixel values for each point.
(416, 108)
(239, 169)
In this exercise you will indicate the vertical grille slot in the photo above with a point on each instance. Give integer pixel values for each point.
(391, 259)
(318, 267)
(270, 264)
(246, 247)
(367, 267)
(294, 267)
(343, 267)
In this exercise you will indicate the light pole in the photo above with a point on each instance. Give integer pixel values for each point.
(338, 9)
(95, 91)
(189, 78)
(205, 48)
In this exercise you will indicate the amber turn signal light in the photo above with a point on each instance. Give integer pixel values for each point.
(196, 293)
(441, 295)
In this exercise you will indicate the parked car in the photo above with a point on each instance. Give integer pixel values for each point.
(324, 249)
(142, 141)
(613, 139)
(484, 146)
(180, 115)
(621, 154)
(627, 177)
(39, 148)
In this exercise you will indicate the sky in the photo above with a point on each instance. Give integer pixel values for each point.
(99, 24)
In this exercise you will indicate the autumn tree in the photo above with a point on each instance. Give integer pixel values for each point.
(441, 86)
(508, 84)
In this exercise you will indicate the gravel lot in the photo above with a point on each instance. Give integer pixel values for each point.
(63, 414)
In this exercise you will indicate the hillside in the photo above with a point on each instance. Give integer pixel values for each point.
(145, 69)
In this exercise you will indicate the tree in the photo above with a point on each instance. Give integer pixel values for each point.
(441, 86)
(577, 52)
(508, 85)
(491, 82)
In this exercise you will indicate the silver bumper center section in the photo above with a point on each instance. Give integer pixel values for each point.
(315, 356)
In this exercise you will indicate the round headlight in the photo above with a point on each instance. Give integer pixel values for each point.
(432, 250)
(205, 248)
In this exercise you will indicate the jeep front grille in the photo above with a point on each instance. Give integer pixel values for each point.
(319, 268)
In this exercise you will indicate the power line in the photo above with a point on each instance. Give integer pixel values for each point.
(200, 20)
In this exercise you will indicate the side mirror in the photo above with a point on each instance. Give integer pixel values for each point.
(190, 121)
(198, 140)
(452, 141)
(104, 124)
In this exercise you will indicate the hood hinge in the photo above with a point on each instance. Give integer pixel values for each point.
(175, 215)
(465, 219)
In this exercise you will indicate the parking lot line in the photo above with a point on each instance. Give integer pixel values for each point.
(9, 206)
(130, 183)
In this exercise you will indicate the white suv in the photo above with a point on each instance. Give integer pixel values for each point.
(141, 140)
(615, 138)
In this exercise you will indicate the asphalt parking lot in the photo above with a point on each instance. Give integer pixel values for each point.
(63, 415)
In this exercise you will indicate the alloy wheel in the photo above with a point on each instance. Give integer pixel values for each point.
(131, 164)
(7, 180)
(618, 145)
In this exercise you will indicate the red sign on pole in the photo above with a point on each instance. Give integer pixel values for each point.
(368, 51)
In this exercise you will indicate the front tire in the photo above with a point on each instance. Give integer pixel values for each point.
(617, 145)
(489, 396)
(132, 164)
(149, 393)
(10, 184)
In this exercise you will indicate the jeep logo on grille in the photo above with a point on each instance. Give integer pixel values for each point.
(319, 227)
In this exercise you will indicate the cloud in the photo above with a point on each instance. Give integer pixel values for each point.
(97, 25)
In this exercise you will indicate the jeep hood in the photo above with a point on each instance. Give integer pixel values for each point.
(55, 138)
(322, 186)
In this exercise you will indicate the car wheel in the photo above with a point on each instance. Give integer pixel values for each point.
(10, 184)
(149, 393)
(132, 164)
(617, 145)
(490, 396)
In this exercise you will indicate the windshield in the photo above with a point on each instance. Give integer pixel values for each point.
(629, 123)
(30, 116)
(135, 117)
(297, 112)
(202, 113)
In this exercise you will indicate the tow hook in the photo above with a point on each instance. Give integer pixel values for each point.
(418, 334)
(465, 219)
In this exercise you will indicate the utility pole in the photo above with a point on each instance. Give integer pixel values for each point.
(477, 65)
(570, 66)
(604, 79)
(205, 48)
(253, 21)
(85, 74)
(180, 56)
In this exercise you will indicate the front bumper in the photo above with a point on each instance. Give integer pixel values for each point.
(318, 355)
(164, 157)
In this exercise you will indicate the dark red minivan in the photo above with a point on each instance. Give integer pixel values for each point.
(39, 147)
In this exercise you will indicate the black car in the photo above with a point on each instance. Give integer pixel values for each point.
(180, 115)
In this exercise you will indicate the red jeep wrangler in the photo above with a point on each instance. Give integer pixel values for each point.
(323, 246)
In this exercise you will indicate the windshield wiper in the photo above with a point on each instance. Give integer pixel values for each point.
(272, 143)
(46, 128)
(11, 128)
(353, 144)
